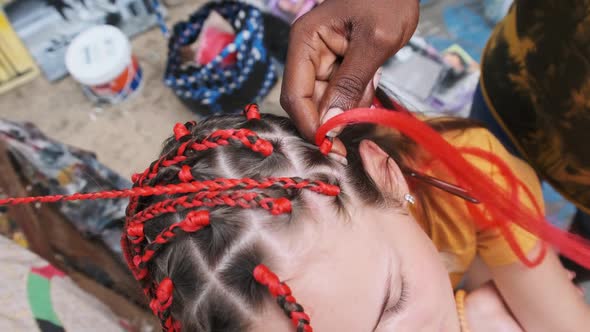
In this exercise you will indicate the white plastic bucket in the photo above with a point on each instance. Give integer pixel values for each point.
(101, 59)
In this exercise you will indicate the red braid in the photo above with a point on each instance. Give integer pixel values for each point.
(218, 138)
(241, 199)
(161, 303)
(282, 292)
(194, 221)
(185, 188)
(252, 112)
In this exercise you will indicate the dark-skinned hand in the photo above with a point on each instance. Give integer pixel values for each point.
(334, 53)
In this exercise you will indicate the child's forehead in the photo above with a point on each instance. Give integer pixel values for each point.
(342, 283)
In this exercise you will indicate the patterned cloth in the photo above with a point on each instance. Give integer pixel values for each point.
(536, 82)
(55, 168)
(215, 86)
(36, 296)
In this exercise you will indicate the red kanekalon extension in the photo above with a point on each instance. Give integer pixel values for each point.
(161, 303)
(326, 145)
(163, 298)
(252, 112)
(194, 221)
(514, 184)
(245, 136)
(185, 188)
(185, 174)
(264, 276)
(501, 209)
(216, 139)
(180, 131)
(245, 200)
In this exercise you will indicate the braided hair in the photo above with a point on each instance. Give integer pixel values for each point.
(199, 256)
(192, 236)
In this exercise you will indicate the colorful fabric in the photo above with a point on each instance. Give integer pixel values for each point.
(38, 297)
(536, 82)
(55, 168)
(214, 86)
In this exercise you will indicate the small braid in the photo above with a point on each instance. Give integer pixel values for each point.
(282, 293)
(184, 188)
(241, 199)
(161, 303)
(252, 112)
(194, 221)
(219, 137)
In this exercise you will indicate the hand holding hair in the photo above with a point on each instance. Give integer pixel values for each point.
(334, 54)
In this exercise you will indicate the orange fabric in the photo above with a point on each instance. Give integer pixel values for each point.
(449, 224)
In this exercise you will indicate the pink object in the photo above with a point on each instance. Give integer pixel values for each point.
(213, 42)
(289, 16)
(47, 271)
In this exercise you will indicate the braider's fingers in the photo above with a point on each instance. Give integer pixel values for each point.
(319, 90)
(297, 92)
(366, 101)
(311, 57)
(369, 94)
(353, 78)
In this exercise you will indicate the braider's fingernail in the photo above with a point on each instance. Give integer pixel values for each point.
(377, 78)
(332, 112)
(334, 132)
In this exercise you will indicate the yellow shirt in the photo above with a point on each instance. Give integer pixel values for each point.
(450, 225)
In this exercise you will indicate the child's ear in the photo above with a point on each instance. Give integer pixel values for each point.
(383, 170)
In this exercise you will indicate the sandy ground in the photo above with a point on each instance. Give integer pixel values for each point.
(126, 137)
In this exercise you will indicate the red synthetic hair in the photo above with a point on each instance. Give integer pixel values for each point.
(498, 204)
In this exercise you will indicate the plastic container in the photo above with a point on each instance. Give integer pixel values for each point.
(101, 59)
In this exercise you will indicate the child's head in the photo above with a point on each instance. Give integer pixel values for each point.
(340, 236)
(234, 208)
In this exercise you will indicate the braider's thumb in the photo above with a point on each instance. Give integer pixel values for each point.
(348, 86)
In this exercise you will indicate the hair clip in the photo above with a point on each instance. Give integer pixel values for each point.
(440, 184)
